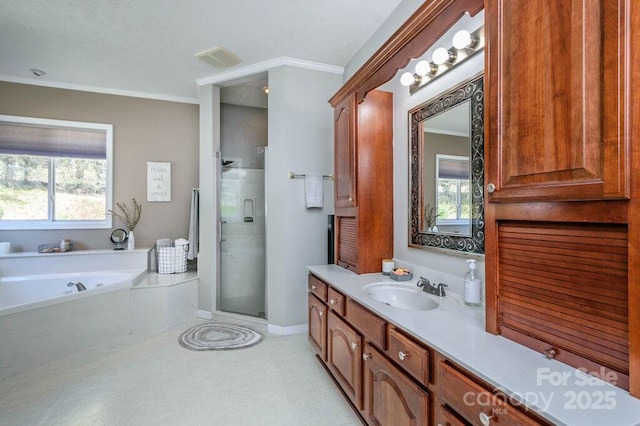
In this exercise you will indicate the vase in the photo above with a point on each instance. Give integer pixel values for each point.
(131, 241)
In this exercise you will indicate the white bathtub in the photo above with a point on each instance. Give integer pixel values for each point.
(39, 323)
(19, 293)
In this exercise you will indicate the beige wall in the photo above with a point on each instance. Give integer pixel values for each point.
(143, 130)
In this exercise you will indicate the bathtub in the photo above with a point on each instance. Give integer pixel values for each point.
(41, 321)
(27, 292)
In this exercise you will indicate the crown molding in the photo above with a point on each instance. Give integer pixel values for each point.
(94, 89)
(267, 65)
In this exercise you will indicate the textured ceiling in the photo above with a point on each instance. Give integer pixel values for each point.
(148, 46)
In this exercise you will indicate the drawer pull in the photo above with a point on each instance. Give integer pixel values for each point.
(320, 313)
(313, 287)
(366, 356)
(402, 355)
(550, 353)
(354, 345)
(485, 419)
(332, 301)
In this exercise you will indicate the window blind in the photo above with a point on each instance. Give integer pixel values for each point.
(51, 141)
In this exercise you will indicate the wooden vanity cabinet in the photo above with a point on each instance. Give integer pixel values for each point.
(344, 354)
(393, 379)
(463, 394)
(390, 396)
(558, 145)
(363, 181)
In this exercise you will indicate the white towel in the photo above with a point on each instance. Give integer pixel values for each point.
(313, 191)
(194, 225)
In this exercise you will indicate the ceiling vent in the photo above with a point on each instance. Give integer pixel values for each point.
(218, 57)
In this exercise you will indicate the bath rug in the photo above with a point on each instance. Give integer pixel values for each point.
(214, 336)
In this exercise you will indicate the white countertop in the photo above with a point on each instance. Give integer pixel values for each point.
(154, 280)
(558, 392)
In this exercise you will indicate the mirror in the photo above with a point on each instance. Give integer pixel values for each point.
(446, 163)
(119, 237)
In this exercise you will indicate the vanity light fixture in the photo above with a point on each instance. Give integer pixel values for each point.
(465, 45)
(464, 40)
(441, 56)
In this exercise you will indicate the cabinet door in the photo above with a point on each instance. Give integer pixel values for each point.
(556, 109)
(318, 326)
(390, 397)
(344, 351)
(347, 242)
(345, 153)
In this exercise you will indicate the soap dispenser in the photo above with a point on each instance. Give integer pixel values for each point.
(472, 285)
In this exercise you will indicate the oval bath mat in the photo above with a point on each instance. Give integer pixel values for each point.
(218, 336)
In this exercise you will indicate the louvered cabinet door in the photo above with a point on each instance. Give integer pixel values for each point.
(562, 290)
(347, 242)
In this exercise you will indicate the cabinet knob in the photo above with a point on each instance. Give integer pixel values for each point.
(550, 353)
(350, 198)
(485, 419)
(402, 355)
(332, 301)
(320, 313)
(354, 345)
(313, 287)
(490, 188)
(366, 356)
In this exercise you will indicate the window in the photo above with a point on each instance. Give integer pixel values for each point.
(54, 174)
(453, 200)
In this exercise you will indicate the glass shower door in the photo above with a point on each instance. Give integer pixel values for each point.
(242, 245)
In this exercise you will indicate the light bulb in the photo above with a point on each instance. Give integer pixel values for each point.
(407, 79)
(423, 68)
(462, 39)
(440, 56)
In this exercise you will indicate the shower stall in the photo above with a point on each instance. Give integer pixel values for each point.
(241, 285)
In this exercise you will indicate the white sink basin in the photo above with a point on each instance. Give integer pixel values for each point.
(401, 296)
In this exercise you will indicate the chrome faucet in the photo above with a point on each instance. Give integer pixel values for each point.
(77, 284)
(438, 290)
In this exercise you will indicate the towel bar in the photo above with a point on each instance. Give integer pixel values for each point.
(294, 175)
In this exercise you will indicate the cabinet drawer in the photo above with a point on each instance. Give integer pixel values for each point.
(317, 287)
(474, 402)
(336, 301)
(447, 418)
(411, 356)
(374, 328)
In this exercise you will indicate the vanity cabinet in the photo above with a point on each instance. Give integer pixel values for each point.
(393, 379)
(477, 404)
(558, 182)
(391, 398)
(344, 353)
(363, 180)
(557, 102)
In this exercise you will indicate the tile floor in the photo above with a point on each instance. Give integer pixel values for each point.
(152, 380)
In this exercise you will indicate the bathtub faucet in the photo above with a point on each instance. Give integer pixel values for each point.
(78, 285)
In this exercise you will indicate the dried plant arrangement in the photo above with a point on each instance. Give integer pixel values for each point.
(129, 217)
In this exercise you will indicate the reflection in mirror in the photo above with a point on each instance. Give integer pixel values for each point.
(447, 168)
